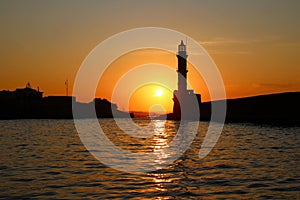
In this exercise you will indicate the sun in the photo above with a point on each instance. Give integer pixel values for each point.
(159, 92)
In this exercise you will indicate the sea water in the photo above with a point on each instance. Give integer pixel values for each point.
(46, 159)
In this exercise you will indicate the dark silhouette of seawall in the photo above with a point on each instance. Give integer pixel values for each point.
(276, 109)
(273, 109)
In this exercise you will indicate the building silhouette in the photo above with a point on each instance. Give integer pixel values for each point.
(186, 102)
(29, 103)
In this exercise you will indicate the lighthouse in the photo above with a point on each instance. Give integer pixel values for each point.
(184, 99)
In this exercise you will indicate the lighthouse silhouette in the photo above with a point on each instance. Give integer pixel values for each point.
(186, 102)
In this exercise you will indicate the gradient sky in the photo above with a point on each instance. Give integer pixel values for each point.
(255, 44)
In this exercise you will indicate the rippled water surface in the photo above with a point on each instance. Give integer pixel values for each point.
(46, 159)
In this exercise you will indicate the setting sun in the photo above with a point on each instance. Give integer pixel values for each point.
(159, 92)
(147, 98)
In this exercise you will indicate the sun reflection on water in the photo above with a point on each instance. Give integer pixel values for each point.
(159, 180)
(160, 139)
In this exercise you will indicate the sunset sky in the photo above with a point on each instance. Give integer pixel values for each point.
(255, 44)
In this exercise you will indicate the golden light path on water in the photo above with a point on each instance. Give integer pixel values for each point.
(160, 141)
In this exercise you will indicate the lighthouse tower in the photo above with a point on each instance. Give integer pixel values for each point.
(183, 98)
(182, 71)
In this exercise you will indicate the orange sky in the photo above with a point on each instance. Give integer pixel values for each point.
(255, 44)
